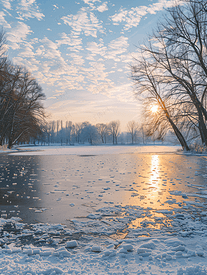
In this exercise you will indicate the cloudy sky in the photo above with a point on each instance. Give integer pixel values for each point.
(80, 52)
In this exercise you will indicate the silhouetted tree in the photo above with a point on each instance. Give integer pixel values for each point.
(102, 131)
(148, 83)
(178, 64)
(132, 127)
(114, 129)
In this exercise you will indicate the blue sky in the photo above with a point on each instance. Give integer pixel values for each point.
(80, 52)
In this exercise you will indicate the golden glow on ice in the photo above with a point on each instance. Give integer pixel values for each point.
(154, 170)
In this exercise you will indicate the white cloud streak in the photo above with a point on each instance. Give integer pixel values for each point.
(27, 9)
(18, 35)
(73, 41)
(84, 22)
(103, 7)
(91, 2)
(6, 4)
(3, 21)
(96, 49)
(132, 17)
(117, 47)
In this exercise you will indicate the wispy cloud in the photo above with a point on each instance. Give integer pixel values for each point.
(27, 9)
(3, 21)
(91, 2)
(27, 52)
(50, 49)
(122, 93)
(6, 4)
(131, 18)
(89, 109)
(85, 22)
(96, 48)
(76, 59)
(152, 9)
(55, 7)
(18, 35)
(103, 7)
(117, 47)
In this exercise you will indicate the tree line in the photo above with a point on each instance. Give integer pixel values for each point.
(21, 109)
(70, 133)
(172, 72)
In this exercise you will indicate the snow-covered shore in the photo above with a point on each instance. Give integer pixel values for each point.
(117, 238)
(94, 246)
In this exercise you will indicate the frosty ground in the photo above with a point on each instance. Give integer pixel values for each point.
(103, 210)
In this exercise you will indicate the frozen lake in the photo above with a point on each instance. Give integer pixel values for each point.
(103, 210)
(56, 185)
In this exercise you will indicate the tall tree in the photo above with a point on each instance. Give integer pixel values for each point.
(27, 111)
(102, 131)
(132, 129)
(114, 127)
(148, 84)
(184, 43)
(21, 110)
(68, 131)
(178, 48)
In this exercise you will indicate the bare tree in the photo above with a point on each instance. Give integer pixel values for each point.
(68, 131)
(29, 112)
(102, 131)
(53, 129)
(132, 127)
(148, 83)
(114, 129)
(8, 99)
(89, 133)
(21, 109)
(180, 53)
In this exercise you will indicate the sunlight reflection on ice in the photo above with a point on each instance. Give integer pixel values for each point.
(151, 197)
(154, 180)
(154, 170)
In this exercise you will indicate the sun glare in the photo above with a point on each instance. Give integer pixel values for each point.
(154, 109)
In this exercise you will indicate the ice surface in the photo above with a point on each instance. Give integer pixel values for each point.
(93, 150)
(123, 213)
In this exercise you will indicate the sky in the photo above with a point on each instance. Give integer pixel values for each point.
(80, 52)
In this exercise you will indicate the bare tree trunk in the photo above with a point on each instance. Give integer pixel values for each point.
(179, 135)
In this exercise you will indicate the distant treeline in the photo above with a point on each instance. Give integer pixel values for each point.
(70, 133)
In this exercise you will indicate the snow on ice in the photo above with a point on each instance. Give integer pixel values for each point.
(94, 246)
(115, 238)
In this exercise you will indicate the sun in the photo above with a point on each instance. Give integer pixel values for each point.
(154, 108)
